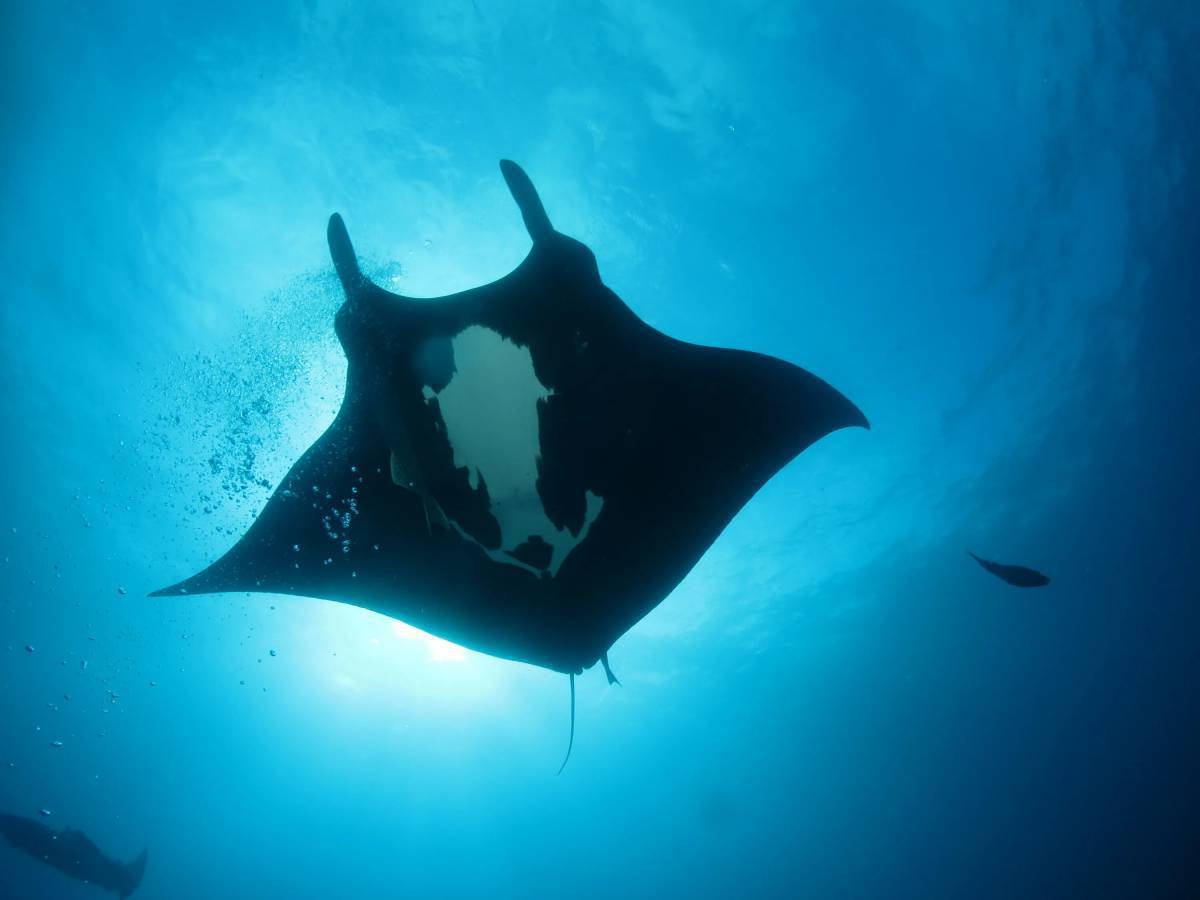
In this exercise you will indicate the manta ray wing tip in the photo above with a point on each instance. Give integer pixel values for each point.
(825, 404)
(846, 415)
(194, 585)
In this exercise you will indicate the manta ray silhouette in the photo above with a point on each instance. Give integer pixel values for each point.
(525, 468)
(1018, 576)
(73, 853)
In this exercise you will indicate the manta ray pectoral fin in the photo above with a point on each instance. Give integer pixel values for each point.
(134, 872)
(537, 223)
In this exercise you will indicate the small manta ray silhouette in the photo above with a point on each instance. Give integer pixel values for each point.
(1019, 576)
(524, 468)
(74, 854)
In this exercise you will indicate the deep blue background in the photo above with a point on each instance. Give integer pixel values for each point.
(977, 220)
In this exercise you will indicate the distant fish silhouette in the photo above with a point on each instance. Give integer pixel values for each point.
(1014, 575)
(73, 853)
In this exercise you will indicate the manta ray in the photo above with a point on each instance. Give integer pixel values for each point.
(1018, 576)
(74, 854)
(525, 468)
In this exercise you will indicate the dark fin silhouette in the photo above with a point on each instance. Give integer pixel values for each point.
(571, 740)
(1017, 576)
(73, 853)
(345, 262)
(612, 679)
(537, 223)
(134, 872)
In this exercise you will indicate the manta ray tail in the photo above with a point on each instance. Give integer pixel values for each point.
(571, 741)
(612, 679)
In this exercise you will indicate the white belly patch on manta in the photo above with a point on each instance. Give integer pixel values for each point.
(490, 409)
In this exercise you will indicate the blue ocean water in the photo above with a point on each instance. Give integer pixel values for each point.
(978, 221)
